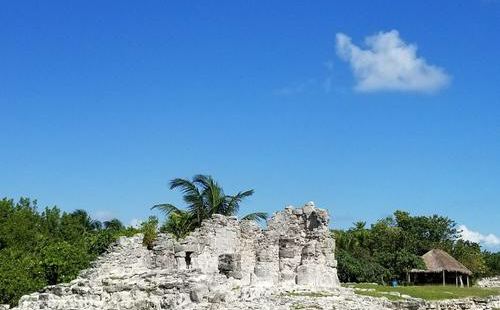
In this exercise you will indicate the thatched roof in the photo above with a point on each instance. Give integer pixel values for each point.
(438, 260)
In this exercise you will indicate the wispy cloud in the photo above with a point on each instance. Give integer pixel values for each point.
(312, 85)
(296, 88)
(389, 63)
(328, 80)
(489, 240)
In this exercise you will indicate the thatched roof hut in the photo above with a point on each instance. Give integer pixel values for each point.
(439, 262)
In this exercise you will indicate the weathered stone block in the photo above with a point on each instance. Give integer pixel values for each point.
(230, 265)
(317, 276)
(289, 248)
(198, 293)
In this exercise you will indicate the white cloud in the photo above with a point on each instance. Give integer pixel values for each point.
(389, 63)
(489, 240)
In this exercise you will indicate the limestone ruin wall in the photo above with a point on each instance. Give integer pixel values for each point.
(296, 249)
(225, 261)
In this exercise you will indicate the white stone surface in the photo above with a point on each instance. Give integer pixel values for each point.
(489, 282)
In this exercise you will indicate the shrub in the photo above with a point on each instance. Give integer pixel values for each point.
(150, 230)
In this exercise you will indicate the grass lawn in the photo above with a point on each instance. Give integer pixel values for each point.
(428, 292)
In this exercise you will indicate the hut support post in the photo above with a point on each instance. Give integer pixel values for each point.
(461, 281)
(444, 278)
(456, 278)
(467, 280)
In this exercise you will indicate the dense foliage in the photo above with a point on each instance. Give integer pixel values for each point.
(492, 261)
(204, 197)
(48, 247)
(393, 246)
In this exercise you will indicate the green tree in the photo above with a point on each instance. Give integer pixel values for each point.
(48, 247)
(203, 197)
(51, 222)
(179, 223)
(492, 261)
(469, 254)
(61, 261)
(77, 224)
(396, 243)
(20, 274)
(424, 233)
(114, 225)
(359, 269)
(19, 224)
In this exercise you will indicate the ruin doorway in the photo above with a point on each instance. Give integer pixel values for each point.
(187, 259)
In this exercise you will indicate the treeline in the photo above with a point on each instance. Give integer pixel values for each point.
(47, 247)
(393, 246)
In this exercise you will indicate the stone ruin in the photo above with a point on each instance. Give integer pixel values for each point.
(224, 265)
(296, 249)
(223, 261)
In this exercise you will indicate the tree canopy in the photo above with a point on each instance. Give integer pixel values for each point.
(203, 197)
(392, 246)
(48, 247)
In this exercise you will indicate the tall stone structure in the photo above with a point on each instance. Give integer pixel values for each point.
(296, 249)
(225, 264)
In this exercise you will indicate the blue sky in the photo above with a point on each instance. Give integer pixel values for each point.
(103, 102)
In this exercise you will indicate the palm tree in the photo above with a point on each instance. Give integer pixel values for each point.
(204, 197)
(179, 224)
(360, 235)
(83, 218)
(113, 224)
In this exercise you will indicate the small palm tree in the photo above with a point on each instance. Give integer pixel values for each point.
(83, 218)
(179, 224)
(204, 197)
(113, 224)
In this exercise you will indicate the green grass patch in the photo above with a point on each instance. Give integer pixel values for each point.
(427, 292)
(379, 294)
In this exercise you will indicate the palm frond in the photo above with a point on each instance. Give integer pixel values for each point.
(212, 193)
(113, 224)
(257, 216)
(192, 196)
(202, 179)
(166, 208)
(203, 197)
(186, 187)
(233, 202)
(244, 194)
